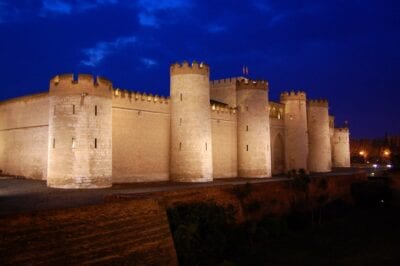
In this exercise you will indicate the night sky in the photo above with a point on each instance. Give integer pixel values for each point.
(345, 51)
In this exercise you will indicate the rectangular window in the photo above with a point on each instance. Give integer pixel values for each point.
(54, 143)
(247, 108)
(180, 146)
(73, 109)
(206, 145)
(247, 147)
(95, 143)
(247, 128)
(95, 110)
(181, 97)
(73, 143)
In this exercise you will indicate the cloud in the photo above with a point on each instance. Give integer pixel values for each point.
(262, 6)
(95, 55)
(148, 62)
(154, 5)
(151, 9)
(8, 13)
(56, 6)
(278, 13)
(148, 20)
(63, 7)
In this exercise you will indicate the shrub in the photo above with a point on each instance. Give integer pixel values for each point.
(371, 193)
(323, 183)
(200, 232)
(242, 191)
(253, 206)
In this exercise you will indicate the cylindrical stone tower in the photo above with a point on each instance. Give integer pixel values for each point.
(191, 147)
(341, 147)
(331, 133)
(80, 132)
(254, 148)
(319, 157)
(296, 135)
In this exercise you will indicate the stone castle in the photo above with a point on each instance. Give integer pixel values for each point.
(84, 133)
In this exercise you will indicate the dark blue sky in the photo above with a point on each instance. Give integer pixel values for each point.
(346, 51)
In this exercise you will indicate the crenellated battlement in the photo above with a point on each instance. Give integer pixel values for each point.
(139, 96)
(93, 134)
(342, 129)
(186, 68)
(246, 84)
(318, 103)
(222, 108)
(68, 84)
(104, 82)
(225, 81)
(298, 95)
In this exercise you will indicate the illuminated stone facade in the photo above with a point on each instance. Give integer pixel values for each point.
(84, 133)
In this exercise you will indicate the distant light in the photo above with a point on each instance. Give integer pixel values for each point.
(386, 152)
(375, 165)
(372, 174)
(389, 166)
(361, 153)
(382, 201)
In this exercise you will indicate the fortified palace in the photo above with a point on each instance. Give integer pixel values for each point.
(83, 133)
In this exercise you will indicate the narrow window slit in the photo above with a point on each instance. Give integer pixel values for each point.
(247, 147)
(95, 110)
(95, 143)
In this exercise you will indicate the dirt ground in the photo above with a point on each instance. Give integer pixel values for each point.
(18, 195)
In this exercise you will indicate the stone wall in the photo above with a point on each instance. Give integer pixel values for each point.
(320, 155)
(296, 136)
(24, 136)
(341, 147)
(254, 148)
(224, 142)
(80, 132)
(277, 128)
(191, 143)
(224, 90)
(141, 137)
